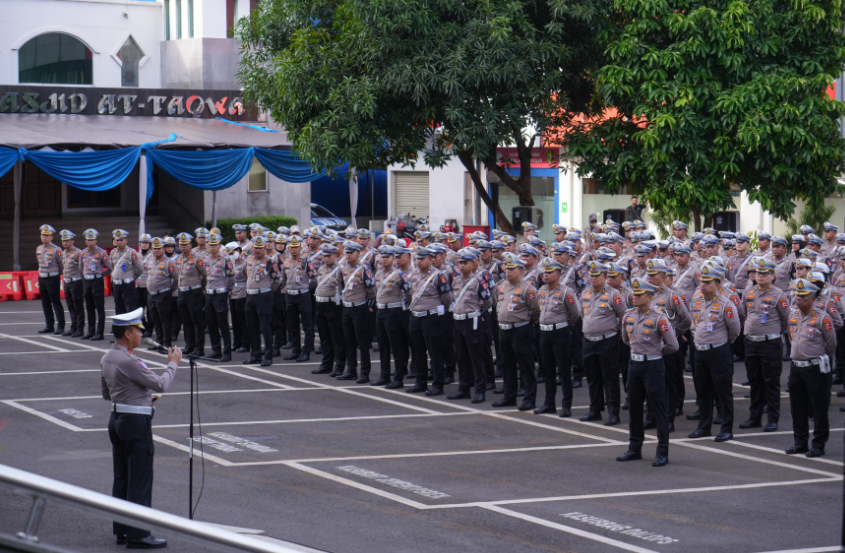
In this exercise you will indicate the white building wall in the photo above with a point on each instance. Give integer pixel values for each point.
(447, 191)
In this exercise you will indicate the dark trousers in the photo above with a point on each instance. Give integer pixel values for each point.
(450, 361)
(237, 308)
(75, 300)
(518, 353)
(357, 337)
(470, 341)
(392, 339)
(809, 394)
(624, 359)
(601, 365)
(427, 337)
(125, 298)
(175, 318)
(281, 332)
(646, 379)
(160, 307)
(680, 379)
(192, 310)
(555, 353)
(259, 320)
(143, 301)
(840, 352)
(491, 334)
(714, 371)
(670, 367)
(330, 323)
(764, 362)
(299, 308)
(95, 304)
(493, 323)
(577, 351)
(131, 438)
(50, 290)
(217, 315)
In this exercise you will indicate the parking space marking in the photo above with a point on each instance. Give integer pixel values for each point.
(782, 452)
(204, 392)
(52, 372)
(42, 352)
(758, 459)
(197, 451)
(41, 415)
(808, 550)
(33, 342)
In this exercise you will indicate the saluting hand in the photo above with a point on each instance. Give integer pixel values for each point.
(174, 355)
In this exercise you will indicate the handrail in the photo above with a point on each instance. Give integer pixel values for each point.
(41, 488)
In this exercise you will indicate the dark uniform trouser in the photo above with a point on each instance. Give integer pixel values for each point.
(714, 371)
(392, 338)
(217, 315)
(577, 351)
(329, 320)
(518, 352)
(809, 394)
(601, 365)
(764, 363)
(95, 304)
(160, 307)
(75, 299)
(491, 335)
(259, 319)
(840, 352)
(680, 379)
(357, 337)
(175, 318)
(299, 306)
(143, 301)
(281, 334)
(670, 367)
(470, 342)
(493, 323)
(450, 360)
(624, 359)
(646, 380)
(428, 336)
(131, 437)
(50, 290)
(192, 311)
(237, 307)
(555, 348)
(125, 298)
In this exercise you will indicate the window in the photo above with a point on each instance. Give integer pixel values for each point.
(320, 211)
(130, 55)
(55, 58)
(231, 17)
(257, 177)
(190, 18)
(166, 19)
(178, 19)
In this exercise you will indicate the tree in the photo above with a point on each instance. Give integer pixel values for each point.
(709, 94)
(815, 214)
(374, 82)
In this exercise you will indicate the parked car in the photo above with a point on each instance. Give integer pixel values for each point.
(322, 216)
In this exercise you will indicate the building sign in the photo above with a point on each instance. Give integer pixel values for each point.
(145, 102)
(544, 158)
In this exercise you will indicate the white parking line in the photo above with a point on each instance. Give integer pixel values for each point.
(197, 451)
(52, 372)
(808, 550)
(782, 452)
(758, 459)
(39, 414)
(33, 342)
(42, 352)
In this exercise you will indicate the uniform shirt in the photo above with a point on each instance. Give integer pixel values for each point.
(429, 292)
(191, 270)
(95, 262)
(49, 258)
(472, 294)
(126, 379)
(392, 286)
(201, 252)
(714, 321)
(239, 289)
(359, 283)
(126, 263)
(558, 305)
(368, 257)
(298, 273)
(161, 273)
(668, 300)
(601, 311)
(518, 302)
(766, 311)
(329, 281)
(145, 257)
(264, 273)
(220, 273)
(639, 272)
(829, 304)
(450, 257)
(495, 268)
(740, 269)
(784, 270)
(72, 263)
(733, 297)
(826, 249)
(589, 230)
(534, 275)
(648, 333)
(812, 335)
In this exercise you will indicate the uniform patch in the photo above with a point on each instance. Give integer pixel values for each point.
(784, 304)
(828, 324)
(618, 300)
(729, 312)
(677, 300)
(532, 295)
(571, 300)
(664, 326)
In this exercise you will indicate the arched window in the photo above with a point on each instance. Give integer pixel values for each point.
(55, 58)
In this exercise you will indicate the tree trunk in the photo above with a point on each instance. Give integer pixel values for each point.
(501, 219)
(521, 184)
(696, 216)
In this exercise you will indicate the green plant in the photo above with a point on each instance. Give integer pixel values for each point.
(663, 217)
(814, 214)
(272, 223)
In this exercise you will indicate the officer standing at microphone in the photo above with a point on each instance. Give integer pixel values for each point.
(128, 383)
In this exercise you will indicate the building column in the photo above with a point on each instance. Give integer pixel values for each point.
(214, 209)
(16, 229)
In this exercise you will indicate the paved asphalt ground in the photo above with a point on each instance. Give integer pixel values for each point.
(351, 468)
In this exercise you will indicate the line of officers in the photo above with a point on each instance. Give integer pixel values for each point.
(437, 308)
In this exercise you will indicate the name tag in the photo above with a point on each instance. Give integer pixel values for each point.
(710, 327)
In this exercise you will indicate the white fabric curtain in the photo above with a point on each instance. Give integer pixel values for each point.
(353, 196)
(142, 194)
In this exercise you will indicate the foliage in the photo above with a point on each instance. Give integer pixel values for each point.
(706, 94)
(815, 214)
(272, 223)
(662, 217)
(375, 82)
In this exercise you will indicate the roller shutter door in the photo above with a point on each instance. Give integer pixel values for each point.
(412, 193)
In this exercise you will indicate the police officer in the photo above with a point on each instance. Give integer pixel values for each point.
(281, 331)
(50, 268)
(518, 311)
(299, 276)
(767, 317)
(237, 298)
(330, 312)
(473, 299)
(358, 297)
(127, 265)
(202, 242)
(715, 326)
(192, 277)
(559, 310)
(813, 345)
(95, 265)
(128, 383)
(263, 277)
(784, 267)
(145, 253)
(162, 280)
(650, 337)
(602, 307)
(219, 283)
(393, 294)
(74, 296)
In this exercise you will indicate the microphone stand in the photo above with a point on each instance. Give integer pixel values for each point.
(192, 361)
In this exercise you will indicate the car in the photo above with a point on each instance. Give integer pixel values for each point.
(322, 216)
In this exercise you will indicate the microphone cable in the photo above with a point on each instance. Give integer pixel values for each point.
(202, 445)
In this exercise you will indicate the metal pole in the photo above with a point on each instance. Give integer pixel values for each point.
(16, 229)
(193, 367)
(214, 208)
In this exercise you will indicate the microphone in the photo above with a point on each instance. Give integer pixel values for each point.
(151, 342)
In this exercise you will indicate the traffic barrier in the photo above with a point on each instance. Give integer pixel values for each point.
(107, 285)
(30, 285)
(10, 287)
(62, 286)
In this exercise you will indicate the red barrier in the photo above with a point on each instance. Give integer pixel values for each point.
(62, 286)
(107, 285)
(469, 229)
(10, 287)
(30, 285)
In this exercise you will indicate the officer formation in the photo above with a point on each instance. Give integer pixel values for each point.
(613, 301)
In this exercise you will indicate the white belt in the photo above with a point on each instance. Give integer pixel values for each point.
(465, 316)
(91, 277)
(639, 357)
(762, 338)
(122, 281)
(254, 291)
(809, 363)
(600, 337)
(389, 305)
(188, 288)
(240, 284)
(507, 326)
(47, 275)
(424, 313)
(322, 299)
(296, 292)
(134, 409)
(73, 279)
(353, 303)
(216, 290)
(156, 292)
(705, 347)
(558, 326)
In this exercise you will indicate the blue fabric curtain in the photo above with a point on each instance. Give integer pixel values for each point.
(8, 158)
(285, 165)
(208, 169)
(95, 171)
